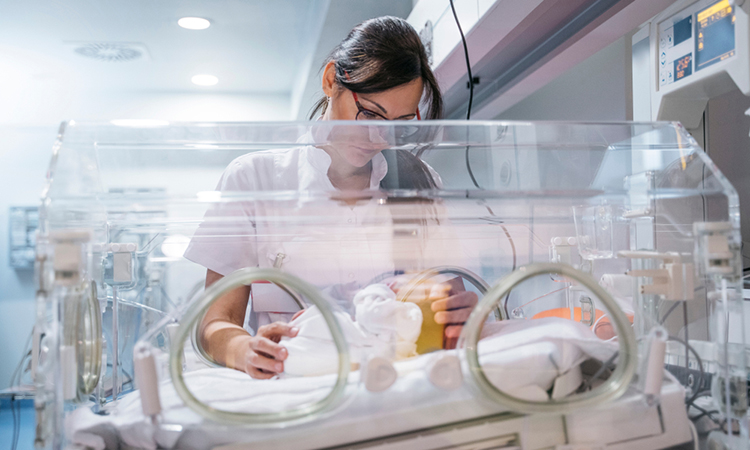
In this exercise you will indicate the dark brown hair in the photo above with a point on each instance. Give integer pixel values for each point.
(381, 54)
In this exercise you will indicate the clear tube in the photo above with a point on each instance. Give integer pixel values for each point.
(615, 386)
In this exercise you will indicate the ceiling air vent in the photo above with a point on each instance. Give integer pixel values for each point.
(110, 51)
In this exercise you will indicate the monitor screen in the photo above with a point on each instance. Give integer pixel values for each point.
(715, 34)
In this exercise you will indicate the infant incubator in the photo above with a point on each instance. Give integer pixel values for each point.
(605, 259)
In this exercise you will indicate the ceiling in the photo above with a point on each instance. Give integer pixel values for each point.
(252, 46)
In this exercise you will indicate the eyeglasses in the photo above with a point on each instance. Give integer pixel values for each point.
(367, 114)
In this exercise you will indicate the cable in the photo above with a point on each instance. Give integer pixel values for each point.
(16, 422)
(690, 348)
(471, 90)
(468, 64)
(687, 338)
(599, 372)
(694, 432)
(15, 378)
(468, 167)
(663, 319)
(513, 248)
(708, 414)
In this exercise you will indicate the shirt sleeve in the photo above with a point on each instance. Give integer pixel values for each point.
(225, 240)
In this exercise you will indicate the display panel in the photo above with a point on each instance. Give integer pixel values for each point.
(675, 49)
(694, 39)
(715, 31)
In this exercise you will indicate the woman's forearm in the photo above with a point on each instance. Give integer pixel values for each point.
(226, 342)
(221, 331)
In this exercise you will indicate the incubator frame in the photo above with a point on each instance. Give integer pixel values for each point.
(715, 253)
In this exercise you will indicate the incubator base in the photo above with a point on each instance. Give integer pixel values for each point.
(627, 424)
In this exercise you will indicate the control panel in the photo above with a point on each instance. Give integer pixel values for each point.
(694, 39)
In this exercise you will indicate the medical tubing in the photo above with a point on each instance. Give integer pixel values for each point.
(615, 386)
(702, 374)
(196, 312)
(116, 383)
(172, 317)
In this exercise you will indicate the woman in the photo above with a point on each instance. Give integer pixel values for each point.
(379, 72)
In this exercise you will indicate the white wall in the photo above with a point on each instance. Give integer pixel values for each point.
(598, 89)
(24, 156)
(29, 120)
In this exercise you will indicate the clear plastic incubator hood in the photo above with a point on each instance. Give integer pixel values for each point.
(590, 275)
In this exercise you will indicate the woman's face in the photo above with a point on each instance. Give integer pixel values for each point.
(358, 145)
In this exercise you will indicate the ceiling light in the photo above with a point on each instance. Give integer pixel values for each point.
(194, 23)
(204, 80)
(139, 123)
(175, 246)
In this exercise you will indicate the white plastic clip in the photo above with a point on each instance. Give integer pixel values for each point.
(147, 379)
(673, 281)
(68, 262)
(378, 374)
(444, 372)
(69, 372)
(122, 262)
(655, 366)
(561, 249)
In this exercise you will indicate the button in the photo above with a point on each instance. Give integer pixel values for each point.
(351, 275)
(349, 220)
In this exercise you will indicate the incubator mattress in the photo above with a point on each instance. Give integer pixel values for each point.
(524, 358)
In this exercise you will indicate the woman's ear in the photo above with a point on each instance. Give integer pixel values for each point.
(329, 78)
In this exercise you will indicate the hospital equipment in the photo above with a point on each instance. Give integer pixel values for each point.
(582, 242)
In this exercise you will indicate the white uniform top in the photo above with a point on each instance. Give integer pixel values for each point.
(334, 246)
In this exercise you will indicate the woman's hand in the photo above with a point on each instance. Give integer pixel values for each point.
(454, 310)
(263, 357)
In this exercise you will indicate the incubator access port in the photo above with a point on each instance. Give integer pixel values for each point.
(555, 346)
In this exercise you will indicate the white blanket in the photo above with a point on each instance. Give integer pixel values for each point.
(523, 358)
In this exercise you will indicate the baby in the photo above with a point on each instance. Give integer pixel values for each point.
(382, 326)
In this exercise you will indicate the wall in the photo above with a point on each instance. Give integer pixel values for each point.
(728, 144)
(24, 156)
(28, 130)
(598, 89)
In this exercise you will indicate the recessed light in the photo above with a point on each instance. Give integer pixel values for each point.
(175, 246)
(204, 80)
(194, 23)
(139, 123)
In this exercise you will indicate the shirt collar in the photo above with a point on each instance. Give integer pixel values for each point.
(379, 169)
(320, 162)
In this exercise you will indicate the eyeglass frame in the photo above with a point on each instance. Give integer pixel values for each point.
(361, 109)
